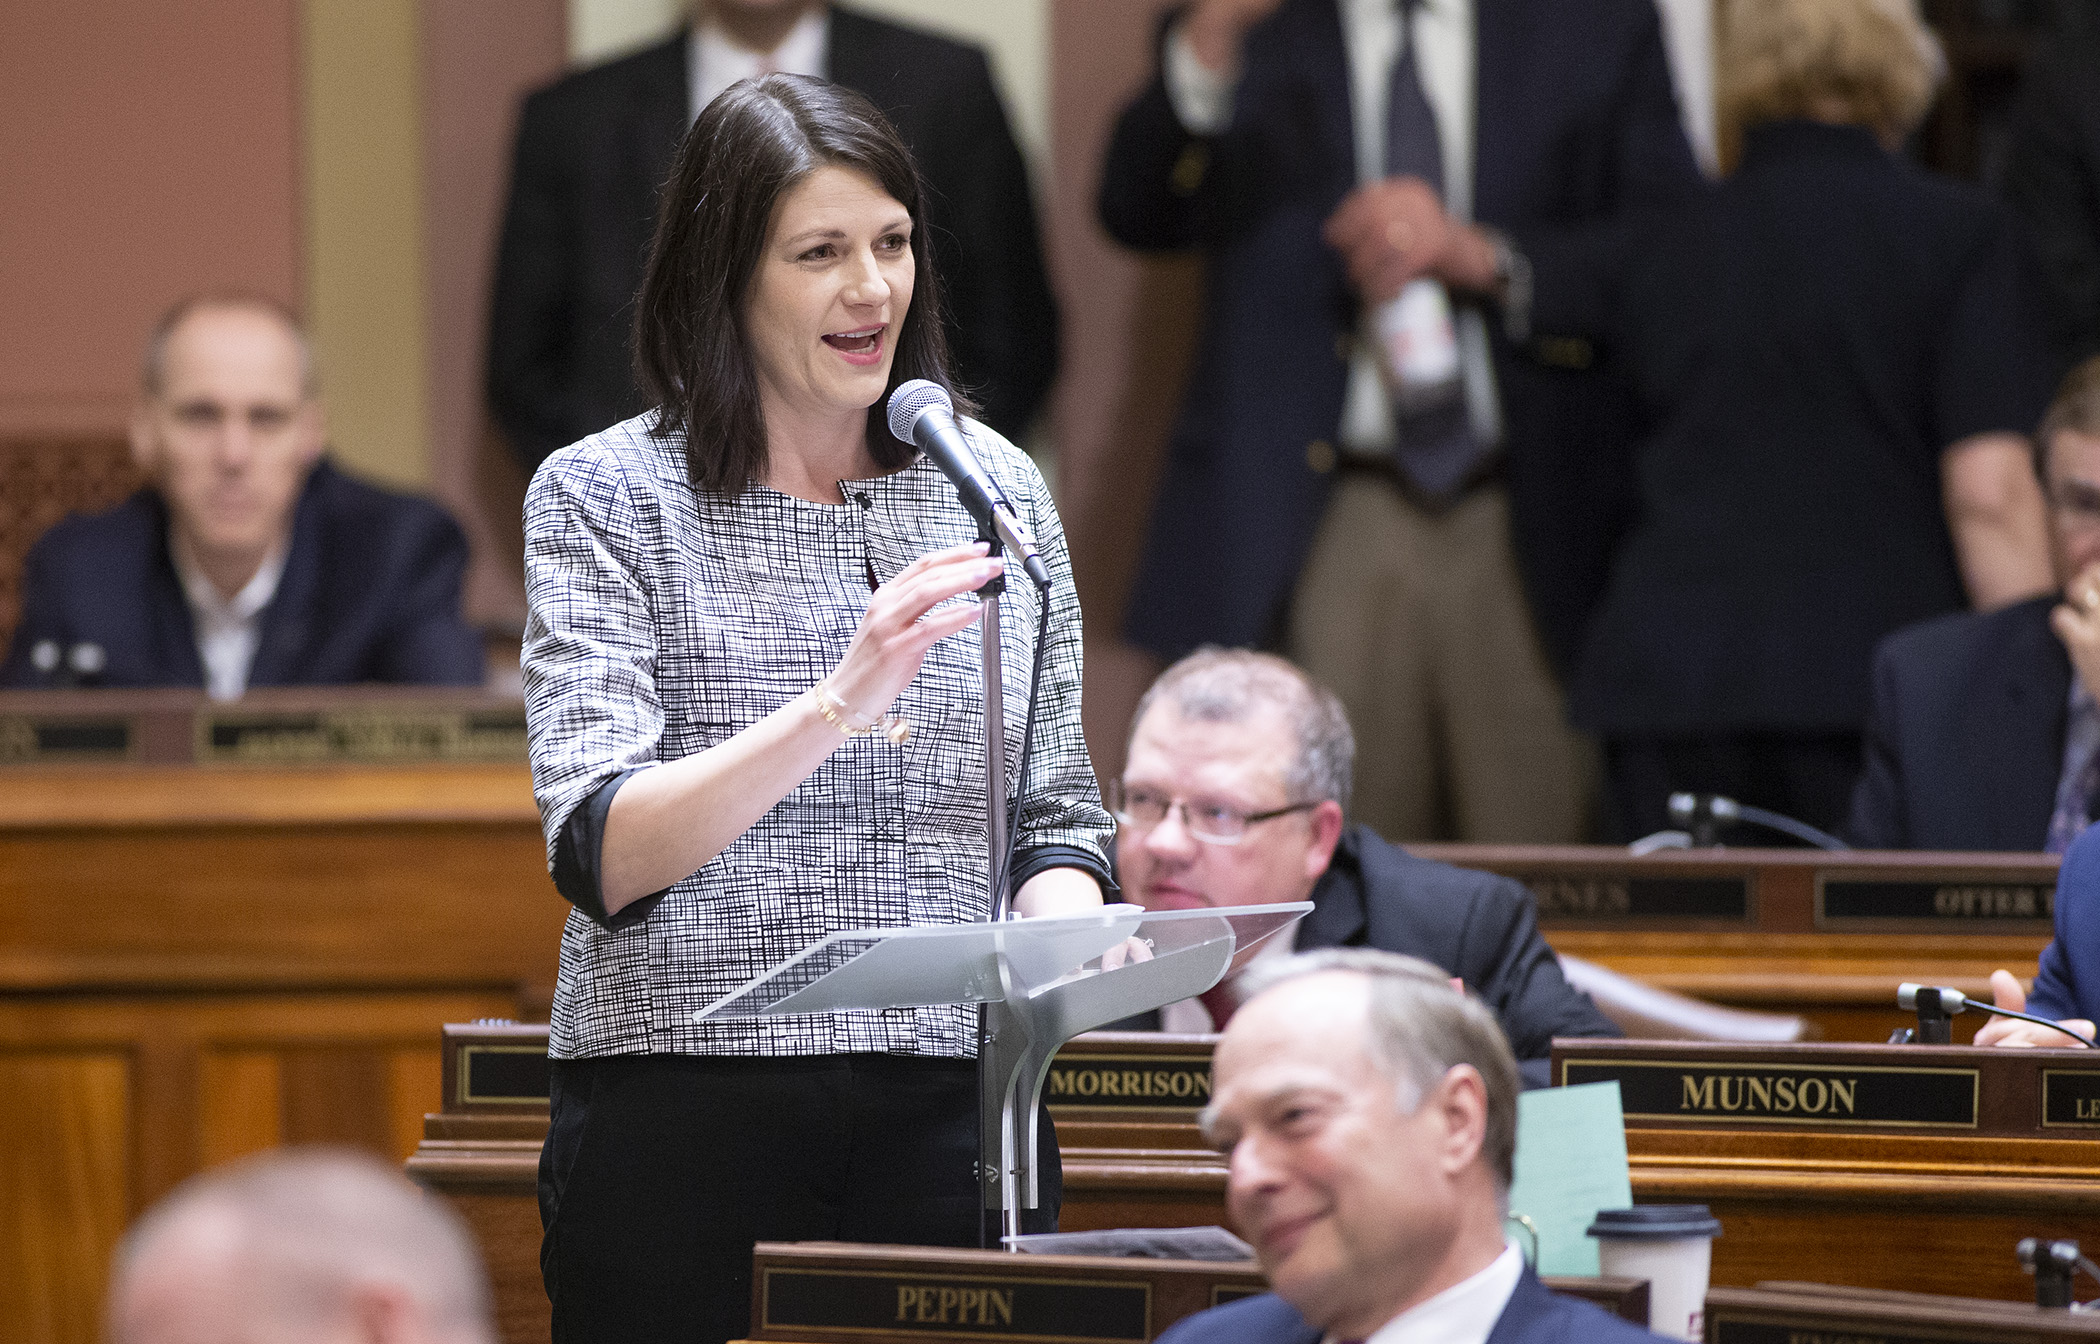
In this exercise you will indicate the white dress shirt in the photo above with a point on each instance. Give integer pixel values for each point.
(714, 62)
(1191, 1017)
(228, 631)
(1372, 33)
(1464, 1313)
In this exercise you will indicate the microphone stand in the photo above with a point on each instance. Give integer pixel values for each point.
(1005, 1183)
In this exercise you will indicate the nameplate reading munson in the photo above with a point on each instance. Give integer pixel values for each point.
(362, 735)
(25, 739)
(1843, 901)
(1569, 898)
(859, 1301)
(1795, 1094)
(1734, 1330)
(2070, 1098)
(1134, 1082)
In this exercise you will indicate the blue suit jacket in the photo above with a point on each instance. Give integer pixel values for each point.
(370, 592)
(2068, 983)
(1964, 744)
(1533, 1316)
(1575, 125)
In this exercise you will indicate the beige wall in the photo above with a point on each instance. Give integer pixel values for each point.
(364, 244)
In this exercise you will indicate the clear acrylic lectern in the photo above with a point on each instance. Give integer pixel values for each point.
(1041, 981)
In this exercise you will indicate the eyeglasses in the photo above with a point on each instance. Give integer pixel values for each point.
(1141, 809)
(2077, 505)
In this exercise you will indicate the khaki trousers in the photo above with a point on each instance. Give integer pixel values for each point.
(1417, 620)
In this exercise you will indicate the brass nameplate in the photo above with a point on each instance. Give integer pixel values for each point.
(361, 735)
(2071, 1098)
(1136, 1082)
(1572, 899)
(985, 1306)
(1714, 1092)
(26, 739)
(1221, 1293)
(1934, 906)
(1835, 1330)
(503, 1075)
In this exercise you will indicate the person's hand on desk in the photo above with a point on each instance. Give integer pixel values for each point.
(1395, 231)
(2007, 993)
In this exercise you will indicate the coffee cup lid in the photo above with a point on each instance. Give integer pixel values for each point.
(1655, 1222)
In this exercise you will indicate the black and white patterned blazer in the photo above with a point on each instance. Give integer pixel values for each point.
(664, 621)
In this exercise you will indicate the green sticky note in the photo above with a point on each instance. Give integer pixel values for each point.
(1571, 1162)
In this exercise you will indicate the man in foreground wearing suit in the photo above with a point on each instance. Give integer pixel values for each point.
(1369, 1113)
(594, 147)
(1238, 770)
(249, 560)
(1980, 736)
(1373, 181)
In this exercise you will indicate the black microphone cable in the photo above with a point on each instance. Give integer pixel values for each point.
(1953, 1002)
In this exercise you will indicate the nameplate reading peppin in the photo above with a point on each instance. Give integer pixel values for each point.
(991, 1307)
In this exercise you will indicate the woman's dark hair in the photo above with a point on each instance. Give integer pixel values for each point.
(691, 353)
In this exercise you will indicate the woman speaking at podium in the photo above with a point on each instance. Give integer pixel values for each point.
(753, 681)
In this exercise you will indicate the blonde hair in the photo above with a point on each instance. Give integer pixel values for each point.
(1869, 63)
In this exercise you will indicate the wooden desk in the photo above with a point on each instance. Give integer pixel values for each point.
(199, 963)
(1828, 936)
(1892, 1181)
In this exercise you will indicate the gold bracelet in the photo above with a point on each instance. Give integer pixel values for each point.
(837, 712)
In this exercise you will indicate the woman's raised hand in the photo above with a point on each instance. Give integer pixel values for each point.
(901, 624)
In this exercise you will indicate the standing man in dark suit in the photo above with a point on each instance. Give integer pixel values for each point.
(1238, 770)
(248, 561)
(2052, 170)
(1369, 1118)
(1984, 732)
(1375, 451)
(592, 152)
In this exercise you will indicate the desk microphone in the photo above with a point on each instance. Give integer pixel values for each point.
(67, 667)
(1936, 1005)
(920, 413)
(1702, 813)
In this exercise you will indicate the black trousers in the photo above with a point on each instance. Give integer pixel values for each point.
(660, 1171)
(1806, 776)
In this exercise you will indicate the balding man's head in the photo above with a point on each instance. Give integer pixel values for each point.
(296, 1246)
(227, 427)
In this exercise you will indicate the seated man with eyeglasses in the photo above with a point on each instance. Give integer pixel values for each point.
(1233, 794)
(1981, 736)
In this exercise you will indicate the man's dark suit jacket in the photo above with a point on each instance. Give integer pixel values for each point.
(594, 149)
(1575, 124)
(1965, 742)
(2052, 170)
(370, 592)
(1533, 1316)
(1478, 926)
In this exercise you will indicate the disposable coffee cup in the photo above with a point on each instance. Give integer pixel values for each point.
(1669, 1245)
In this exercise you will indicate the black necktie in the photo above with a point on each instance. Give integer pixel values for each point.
(1436, 450)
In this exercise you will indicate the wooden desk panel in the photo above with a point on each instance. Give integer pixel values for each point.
(1786, 954)
(198, 963)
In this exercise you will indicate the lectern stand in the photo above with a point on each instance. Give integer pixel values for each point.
(1042, 982)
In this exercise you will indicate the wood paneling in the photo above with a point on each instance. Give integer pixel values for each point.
(64, 1138)
(197, 964)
